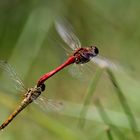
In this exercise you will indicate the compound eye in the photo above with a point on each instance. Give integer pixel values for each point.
(96, 51)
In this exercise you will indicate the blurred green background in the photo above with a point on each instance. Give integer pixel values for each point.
(30, 43)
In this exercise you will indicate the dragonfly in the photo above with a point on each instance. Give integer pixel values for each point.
(80, 54)
(30, 95)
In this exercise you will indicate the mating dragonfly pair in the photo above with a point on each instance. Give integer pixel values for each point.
(80, 55)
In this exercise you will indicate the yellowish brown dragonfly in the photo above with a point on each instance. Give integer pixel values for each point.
(30, 94)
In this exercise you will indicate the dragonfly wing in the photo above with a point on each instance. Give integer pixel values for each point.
(75, 71)
(104, 62)
(64, 29)
(13, 75)
(81, 72)
(54, 42)
(49, 104)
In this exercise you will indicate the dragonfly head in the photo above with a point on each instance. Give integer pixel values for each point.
(90, 52)
(93, 51)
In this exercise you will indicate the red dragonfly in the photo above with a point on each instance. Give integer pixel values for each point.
(80, 54)
(30, 95)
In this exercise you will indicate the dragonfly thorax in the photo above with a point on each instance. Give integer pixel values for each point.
(84, 55)
(33, 93)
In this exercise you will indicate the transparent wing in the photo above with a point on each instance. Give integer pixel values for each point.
(104, 62)
(75, 71)
(81, 72)
(49, 104)
(64, 29)
(13, 75)
(57, 43)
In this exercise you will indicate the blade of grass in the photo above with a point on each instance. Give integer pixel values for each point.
(123, 102)
(52, 125)
(71, 109)
(30, 41)
(107, 120)
(88, 98)
(109, 134)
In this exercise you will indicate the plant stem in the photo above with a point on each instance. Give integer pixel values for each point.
(88, 98)
(123, 102)
(109, 135)
(107, 120)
